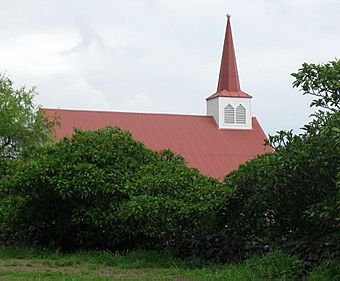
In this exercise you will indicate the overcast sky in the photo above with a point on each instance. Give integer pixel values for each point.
(164, 56)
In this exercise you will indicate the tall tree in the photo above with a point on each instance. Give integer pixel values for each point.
(22, 123)
(321, 81)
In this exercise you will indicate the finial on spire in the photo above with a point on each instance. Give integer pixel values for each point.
(228, 16)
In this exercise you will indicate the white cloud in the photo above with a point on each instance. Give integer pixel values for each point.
(36, 53)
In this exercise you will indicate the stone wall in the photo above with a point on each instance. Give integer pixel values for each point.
(223, 249)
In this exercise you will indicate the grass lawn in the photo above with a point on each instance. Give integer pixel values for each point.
(34, 264)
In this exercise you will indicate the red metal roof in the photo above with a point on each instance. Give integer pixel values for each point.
(213, 151)
(225, 93)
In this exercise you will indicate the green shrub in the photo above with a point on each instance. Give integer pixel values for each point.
(7, 201)
(102, 189)
(7, 166)
(293, 192)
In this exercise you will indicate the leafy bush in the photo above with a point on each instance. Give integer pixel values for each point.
(102, 189)
(291, 193)
(7, 166)
(6, 202)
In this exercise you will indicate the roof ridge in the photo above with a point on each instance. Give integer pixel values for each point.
(123, 112)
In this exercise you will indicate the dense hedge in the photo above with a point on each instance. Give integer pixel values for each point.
(102, 189)
(292, 193)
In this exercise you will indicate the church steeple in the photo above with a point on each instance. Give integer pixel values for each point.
(228, 79)
(230, 107)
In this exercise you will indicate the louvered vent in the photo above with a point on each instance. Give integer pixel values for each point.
(229, 114)
(240, 115)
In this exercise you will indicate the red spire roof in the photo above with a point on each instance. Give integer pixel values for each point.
(228, 82)
(228, 79)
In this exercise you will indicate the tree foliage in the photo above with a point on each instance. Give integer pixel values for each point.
(102, 189)
(22, 123)
(321, 81)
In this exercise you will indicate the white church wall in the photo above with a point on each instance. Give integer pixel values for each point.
(212, 109)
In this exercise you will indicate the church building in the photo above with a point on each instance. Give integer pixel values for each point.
(215, 143)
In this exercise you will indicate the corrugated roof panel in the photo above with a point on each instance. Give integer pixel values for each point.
(213, 151)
